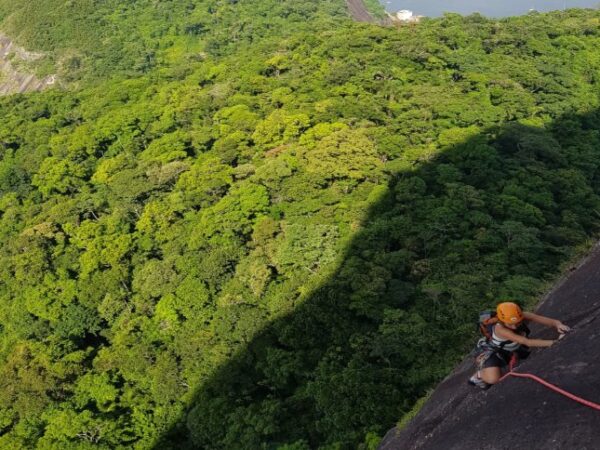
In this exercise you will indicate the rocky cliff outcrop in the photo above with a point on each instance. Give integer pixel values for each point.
(360, 13)
(14, 80)
(520, 413)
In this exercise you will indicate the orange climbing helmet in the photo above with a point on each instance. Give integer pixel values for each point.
(510, 313)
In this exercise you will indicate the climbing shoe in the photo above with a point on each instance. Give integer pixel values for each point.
(476, 381)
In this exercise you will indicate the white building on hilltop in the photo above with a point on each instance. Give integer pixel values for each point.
(405, 15)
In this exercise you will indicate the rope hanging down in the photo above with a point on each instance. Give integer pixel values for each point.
(593, 405)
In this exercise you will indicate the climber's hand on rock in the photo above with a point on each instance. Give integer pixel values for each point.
(562, 328)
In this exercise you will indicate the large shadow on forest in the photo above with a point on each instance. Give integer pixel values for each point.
(488, 218)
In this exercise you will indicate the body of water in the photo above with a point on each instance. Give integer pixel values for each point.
(490, 8)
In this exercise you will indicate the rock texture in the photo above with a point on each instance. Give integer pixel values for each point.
(520, 413)
(359, 13)
(11, 79)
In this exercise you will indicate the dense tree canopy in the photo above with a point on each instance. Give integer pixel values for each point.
(256, 224)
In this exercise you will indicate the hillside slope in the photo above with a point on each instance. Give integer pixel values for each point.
(359, 11)
(88, 40)
(14, 80)
(262, 240)
(520, 413)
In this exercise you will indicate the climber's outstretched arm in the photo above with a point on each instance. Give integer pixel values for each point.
(547, 321)
(506, 333)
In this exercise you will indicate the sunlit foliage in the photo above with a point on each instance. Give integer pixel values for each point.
(259, 225)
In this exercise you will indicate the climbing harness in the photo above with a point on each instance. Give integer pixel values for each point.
(491, 344)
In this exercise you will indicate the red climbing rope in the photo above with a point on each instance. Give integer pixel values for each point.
(554, 388)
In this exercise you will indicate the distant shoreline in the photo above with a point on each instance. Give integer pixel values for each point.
(491, 10)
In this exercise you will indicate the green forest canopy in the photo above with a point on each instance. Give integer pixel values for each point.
(260, 225)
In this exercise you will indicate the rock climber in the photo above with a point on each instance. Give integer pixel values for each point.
(508, 341)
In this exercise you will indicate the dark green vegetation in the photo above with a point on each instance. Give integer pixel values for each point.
(281, 243)
(90, 39)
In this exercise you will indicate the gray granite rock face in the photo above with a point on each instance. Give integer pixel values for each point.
(520, 413)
